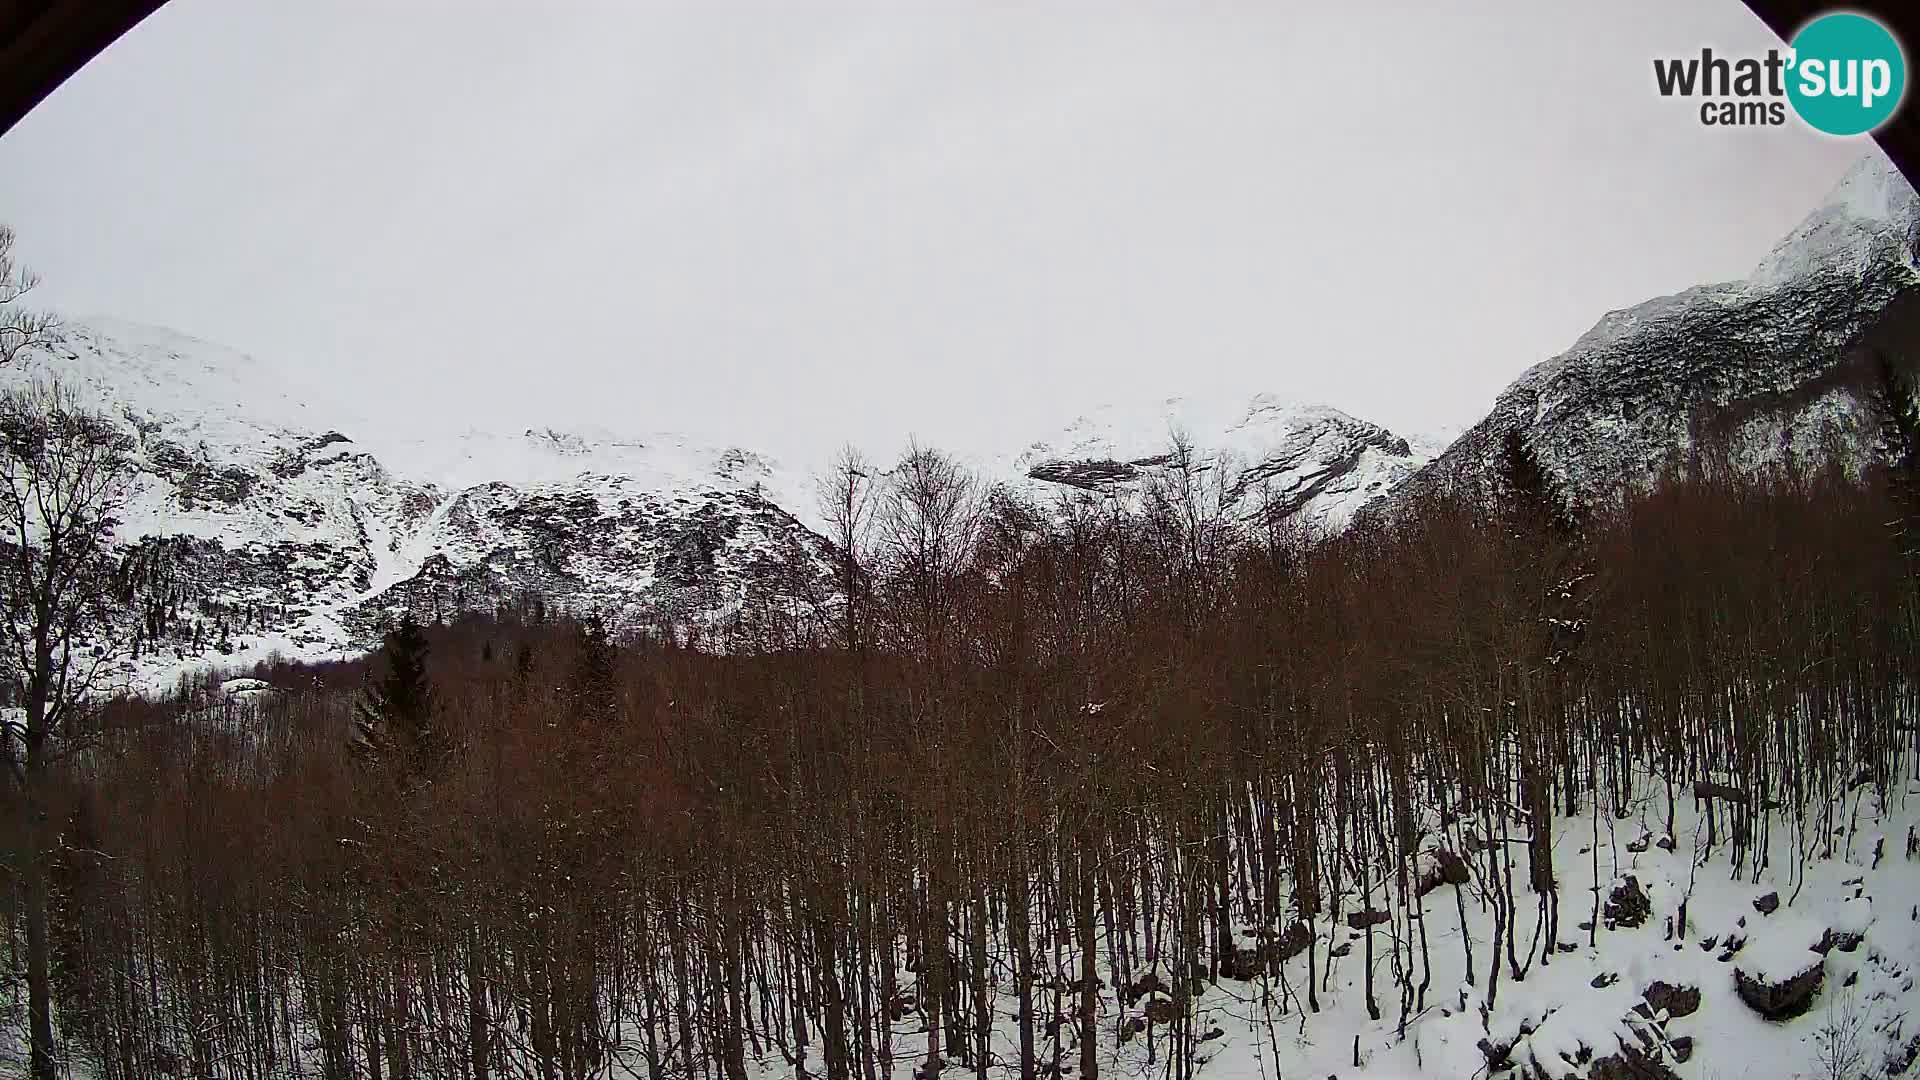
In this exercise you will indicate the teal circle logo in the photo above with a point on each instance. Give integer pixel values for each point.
(1847, 74)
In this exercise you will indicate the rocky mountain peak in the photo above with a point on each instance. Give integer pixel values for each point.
(1764, 371)
(255, 525)
(1870, 216)
(258, 524)
(1312, 464)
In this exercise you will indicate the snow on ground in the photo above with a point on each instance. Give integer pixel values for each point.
(1581, 1006)
(1854, 913)
(1785, 948)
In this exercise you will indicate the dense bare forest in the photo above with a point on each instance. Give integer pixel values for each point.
(1048, 771)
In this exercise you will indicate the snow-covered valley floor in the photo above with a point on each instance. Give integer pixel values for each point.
(1853, 915)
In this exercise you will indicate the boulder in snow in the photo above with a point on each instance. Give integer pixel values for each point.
(247, 687)
(1628, 904)
(1779, 970)
(1785, 999)
(1361, 920)
(1676, 1000)
(1246, 964)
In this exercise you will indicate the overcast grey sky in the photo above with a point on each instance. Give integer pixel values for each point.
(791, 223)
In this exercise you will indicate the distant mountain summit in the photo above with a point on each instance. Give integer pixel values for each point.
(1309, 464)
(260, 525)
(1771, 369)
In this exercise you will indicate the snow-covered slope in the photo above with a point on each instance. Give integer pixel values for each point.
(256, 525)
(259, 524)
(542, 456)
(1309, 464)
(1774, 368)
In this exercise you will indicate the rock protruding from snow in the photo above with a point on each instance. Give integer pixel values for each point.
(1628, 904)
(1604, 1037)
(1781, 968)
(248, 689)
(1675, 1001)
(1850, 921)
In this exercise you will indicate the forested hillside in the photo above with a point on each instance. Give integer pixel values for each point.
(1501, 789)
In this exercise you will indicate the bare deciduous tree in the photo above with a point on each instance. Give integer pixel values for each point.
(928, 522)
(1084, 762)
(20, 327)
(846, 500)
(64, 474)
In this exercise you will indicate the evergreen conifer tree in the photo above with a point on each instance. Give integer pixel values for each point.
(1900, 429)
(396, 722)
(1534, 502)
(595, 685)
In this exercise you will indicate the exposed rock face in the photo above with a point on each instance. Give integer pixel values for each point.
(1778, 368)
(1678, 1001)
(1772, 369)
(609, 544)
(256, 526)
(1781, 998)
(1569, 1041)
(1246, 964)
(1782, 965)
(1361, 920)
(259, 525)
(1633, 1063)
(1627, 905)
(1305, 464)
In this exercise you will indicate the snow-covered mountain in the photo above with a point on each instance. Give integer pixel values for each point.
(256, 525)
(260, 524)
(1777, 367)
(1309, 464)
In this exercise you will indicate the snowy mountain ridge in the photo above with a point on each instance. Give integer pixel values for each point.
(1772, 369)
(254, 525)
(1310, 464)
(259, 524)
